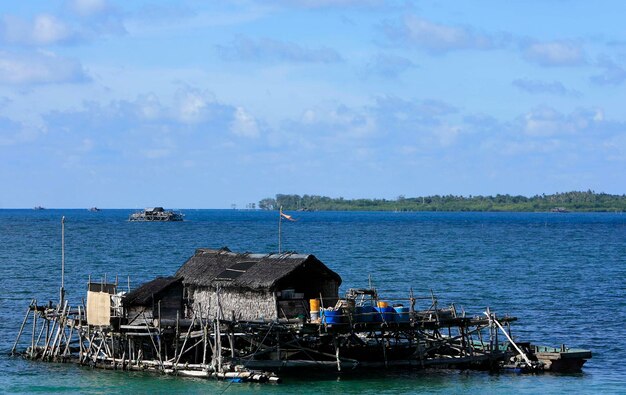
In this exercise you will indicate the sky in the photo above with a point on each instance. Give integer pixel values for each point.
(205, 104)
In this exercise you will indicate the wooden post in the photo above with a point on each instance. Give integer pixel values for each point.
(159, 333)
(177, 334)
(519, 350)
(231, 337)
(218, 344)
(205, 336)
(131, 354)
(95, 356)
(336, 344)
(62, 290)
(193, 321)
(57, 321)
(19, 334)
(382, 335)
(280, 220)
(32, 346)
(40, 334)
(113, 350)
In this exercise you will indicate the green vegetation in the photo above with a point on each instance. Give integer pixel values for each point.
(568, 201)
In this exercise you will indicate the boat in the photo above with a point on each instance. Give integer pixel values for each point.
(155, 214)
(563, 359)
(94, 209)
(559, 210)
(532, 358)
(39, 208)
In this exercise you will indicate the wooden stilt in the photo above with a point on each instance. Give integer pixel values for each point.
(193, 320)
(19, 334)
(337, 353)
(32, 346)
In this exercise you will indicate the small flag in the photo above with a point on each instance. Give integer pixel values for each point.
(287, 217)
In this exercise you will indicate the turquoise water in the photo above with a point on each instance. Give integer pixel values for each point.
(563, 275)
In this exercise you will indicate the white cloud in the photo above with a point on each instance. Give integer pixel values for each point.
(265, 49)
(547, 122)
(39, 68)
(539, 87)
(48, 29)
(12, 133)
(555, 53)
(44, 29)
(447, 134)
(612, 73)
(439, 38)
(389, 66)
(88, 8)
(193, 105)
(244, 124)
(149, 107)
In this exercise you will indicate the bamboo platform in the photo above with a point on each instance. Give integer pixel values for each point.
(230, 349)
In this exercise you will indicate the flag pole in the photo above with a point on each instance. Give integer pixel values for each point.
(280, 220)
(62, 290)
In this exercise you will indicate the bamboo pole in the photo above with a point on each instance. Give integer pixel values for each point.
(95, 356)
(32, 346)
(159, 334)
(55, 322)
(113, 349)
(43, 326)
(152, 340)
(19, 334)
(56, 345)
(68, 341)
(177, 334)
(280, 220)
(62, 290)
(519, 350)
(205, 336)
(337, 353)
(193, 320)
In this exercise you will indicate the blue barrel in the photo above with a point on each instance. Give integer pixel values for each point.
(402, 314)
(331, 316)
(387, 314)
(365, 314)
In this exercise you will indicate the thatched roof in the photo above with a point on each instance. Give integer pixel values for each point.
(142, 296)
(208, 267)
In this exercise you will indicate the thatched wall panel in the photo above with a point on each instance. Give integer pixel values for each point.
(247, 305)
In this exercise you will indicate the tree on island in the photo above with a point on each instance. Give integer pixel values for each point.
(566, 201)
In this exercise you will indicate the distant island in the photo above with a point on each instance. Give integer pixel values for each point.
(575, 201)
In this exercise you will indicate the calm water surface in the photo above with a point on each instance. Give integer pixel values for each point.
(563, 275)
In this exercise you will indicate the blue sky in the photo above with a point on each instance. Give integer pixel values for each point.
(206, 104)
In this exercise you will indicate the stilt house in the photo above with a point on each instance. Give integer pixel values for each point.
(161, 298)
(256, 286)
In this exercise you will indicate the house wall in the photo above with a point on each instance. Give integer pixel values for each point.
(136, 314)
(247, 305)
(171, 302)
(330, 292)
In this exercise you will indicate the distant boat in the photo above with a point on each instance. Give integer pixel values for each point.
(559, 210)
(94, 209)
(39, 208)
(155, 214)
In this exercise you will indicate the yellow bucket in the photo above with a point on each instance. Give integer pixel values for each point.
(315, 304)
(382, 304)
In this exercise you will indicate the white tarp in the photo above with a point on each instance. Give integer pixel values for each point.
(98, 308)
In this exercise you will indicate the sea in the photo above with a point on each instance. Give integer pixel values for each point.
(562, 274)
